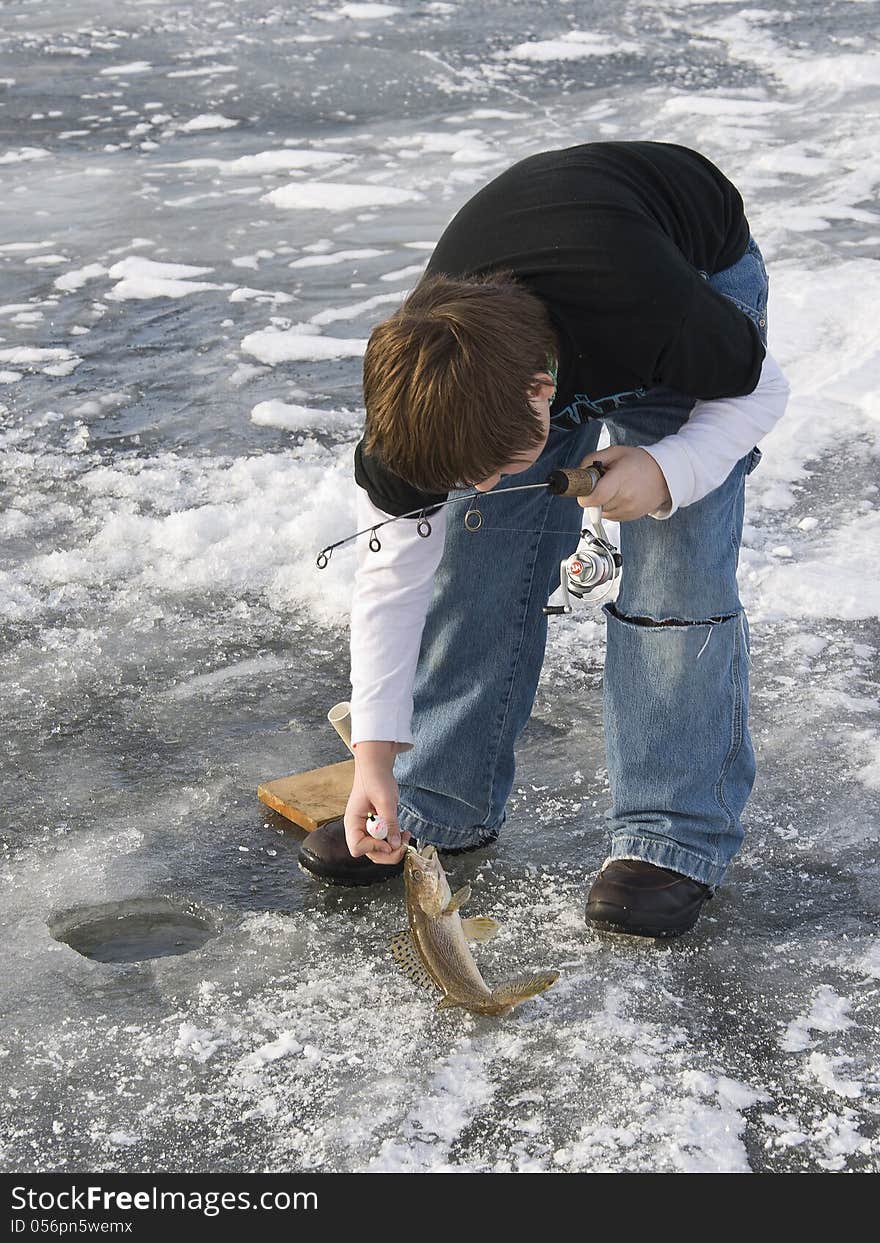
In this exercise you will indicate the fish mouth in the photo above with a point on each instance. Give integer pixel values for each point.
(421, 859)
(425, 854)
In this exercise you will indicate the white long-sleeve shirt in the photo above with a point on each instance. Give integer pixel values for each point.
(702, 453)
(393, 587)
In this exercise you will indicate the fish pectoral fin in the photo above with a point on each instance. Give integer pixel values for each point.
(522, 987)
(480, 928)
(406, 955)
(458, 899)
(447, 1003)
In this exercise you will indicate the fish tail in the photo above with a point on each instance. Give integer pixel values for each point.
(522, 987)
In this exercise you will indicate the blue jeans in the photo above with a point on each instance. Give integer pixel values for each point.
(680, 758)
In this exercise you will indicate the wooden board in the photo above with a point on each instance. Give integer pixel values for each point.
(310, 799)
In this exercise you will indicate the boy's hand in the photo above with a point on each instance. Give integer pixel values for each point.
(633, 485)
(374, 789)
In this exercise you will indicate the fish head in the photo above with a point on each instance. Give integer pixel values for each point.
(426, 880)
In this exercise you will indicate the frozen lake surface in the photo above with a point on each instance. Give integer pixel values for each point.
(203, 211)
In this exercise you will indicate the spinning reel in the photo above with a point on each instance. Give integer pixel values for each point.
(593, 571)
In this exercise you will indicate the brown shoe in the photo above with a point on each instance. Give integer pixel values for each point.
(325, 854)
(643, 900)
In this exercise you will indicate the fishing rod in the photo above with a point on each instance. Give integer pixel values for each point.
(591, 572)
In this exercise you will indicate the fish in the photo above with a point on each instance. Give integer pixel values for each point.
(434, 952)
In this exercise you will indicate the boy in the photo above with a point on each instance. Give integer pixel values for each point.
(610, 282)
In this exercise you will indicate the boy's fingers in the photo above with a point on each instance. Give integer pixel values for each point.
(603, 494)
(387, 858)
(606, 489)
(367, 845)
(378, 851)
(356, 837)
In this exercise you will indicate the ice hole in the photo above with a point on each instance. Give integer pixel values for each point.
(134, 930)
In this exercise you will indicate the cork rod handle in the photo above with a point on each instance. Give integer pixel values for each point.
(575, 481)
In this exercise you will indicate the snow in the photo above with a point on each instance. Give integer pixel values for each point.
(827, 1014)
(12, 247)
(46, 360)
(294, 418)
(267, 162)
(824, 1070)
(205, 71)
(338, 196)
(23, 155)
(209, 120)
(339, 256)
(403, 274)
(368, 12)
(355, 310)
(145, 278)
(118, 71)
(175, 448)
(574, 45)
(299, 344)
(76, 278)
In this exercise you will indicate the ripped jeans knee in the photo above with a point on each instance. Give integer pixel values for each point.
(676, 623)
(667, 621)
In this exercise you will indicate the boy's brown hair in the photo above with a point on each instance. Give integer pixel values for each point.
(447, 380)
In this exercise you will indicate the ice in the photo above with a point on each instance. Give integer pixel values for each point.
(800, 587)
(135, 66)
(267, 162)
(144, 278)
(574, 45)
(209, 120)
(368, 12)
(463, 146)
(206, 71)
(299, 344)
(36, 359)
(403, 274)
(245, 294)
(825, 1069)
(75, 279)
(864, 745)
(176, 447)
(355, 310)
(338, 196)
(840, 74)
(828, 1014)
(339, 256)
(294, 418)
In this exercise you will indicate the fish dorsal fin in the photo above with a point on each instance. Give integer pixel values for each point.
(522, 987)
(405, 954)
(479, 928)
(458, 899)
